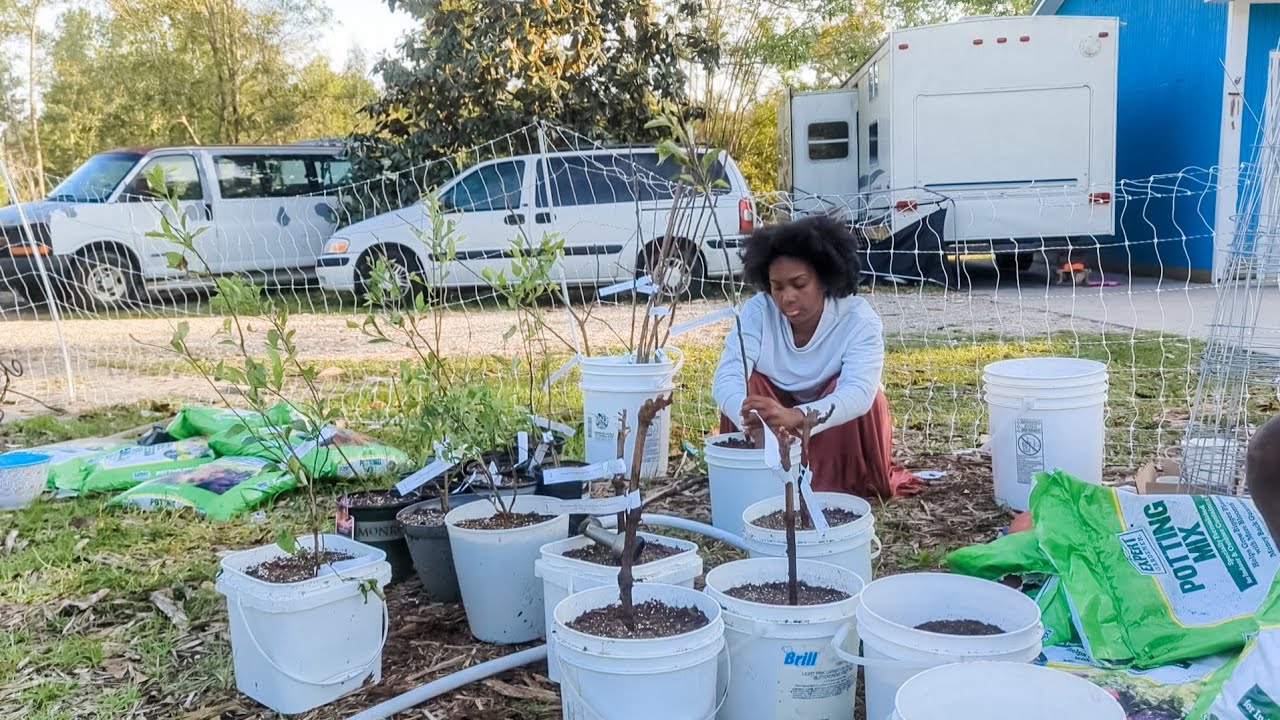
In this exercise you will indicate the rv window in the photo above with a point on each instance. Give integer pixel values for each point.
(874, 74)
(873, 143)
(829, 141)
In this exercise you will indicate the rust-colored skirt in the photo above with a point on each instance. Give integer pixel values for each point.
(854, 458)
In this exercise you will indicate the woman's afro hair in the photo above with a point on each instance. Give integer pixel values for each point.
(823, 242)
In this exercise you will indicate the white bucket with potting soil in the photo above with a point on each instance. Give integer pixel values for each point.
(737, 479)
(1044, 414)
(849, 546)
(279, 657)
(1002, 691)
(672, 678)
(782, 665)
(893, 650)
(616, 383)
(500, 593)
(563, 576)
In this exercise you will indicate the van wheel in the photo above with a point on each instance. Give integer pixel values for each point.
(684, 274)
(403, 277)
(105, 280)
(1015, 262)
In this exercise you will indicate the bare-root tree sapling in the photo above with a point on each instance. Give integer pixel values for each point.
(626, 580)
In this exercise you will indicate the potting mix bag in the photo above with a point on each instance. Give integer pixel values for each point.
(219, 489)
(67, 461)
(132, 464)
(1248, 687)
(1154, 579)
(1019, 554)
(201, 420)
(1055, 613)
(1163, 693)
(337, 452)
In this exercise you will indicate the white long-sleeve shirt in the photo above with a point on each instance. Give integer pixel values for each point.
(848, 343)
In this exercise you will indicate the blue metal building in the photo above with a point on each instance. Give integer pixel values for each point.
(1192, 80)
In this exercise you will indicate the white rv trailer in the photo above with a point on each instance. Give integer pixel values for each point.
(1009, 123)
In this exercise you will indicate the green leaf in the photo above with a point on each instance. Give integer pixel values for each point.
(286, 541)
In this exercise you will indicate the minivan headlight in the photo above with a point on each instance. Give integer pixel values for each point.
(337, 246)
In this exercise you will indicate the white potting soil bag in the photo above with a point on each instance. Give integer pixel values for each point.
(1248, 688)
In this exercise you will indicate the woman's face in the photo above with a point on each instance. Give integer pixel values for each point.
(796, 290)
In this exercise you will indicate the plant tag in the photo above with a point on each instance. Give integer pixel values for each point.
(642, 284)
(540, 453)
(659, 311)
(601, 506)
(423, 476)
(723, 313)
(522, 446)
(772, 448)
(561, 371)
(305, 447)
(493, 473)
(553, 425)
(815, 510)
(586, 473)
(342, 523)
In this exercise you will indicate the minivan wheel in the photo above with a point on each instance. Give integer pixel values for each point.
(105, 281)
(401, 272)
(683, 274)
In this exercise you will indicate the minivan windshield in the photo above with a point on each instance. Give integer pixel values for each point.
(96, 179)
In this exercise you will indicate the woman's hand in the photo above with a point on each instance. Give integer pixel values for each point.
(772, 412)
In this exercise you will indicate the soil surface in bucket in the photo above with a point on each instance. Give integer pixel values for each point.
(505, 521)
(380, 498)
(423, 517)
(653, 619)
(777, 520)
(600, 554)
(775, 593)
(960, 627)
(294, 568)
(734, 443)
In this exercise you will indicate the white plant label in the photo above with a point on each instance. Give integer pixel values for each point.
(423, 476)
(772, 448)
(493, 473)
(725, 313)
(586, 473)
(601, 506)
(553, 425)
(522, 446)
(540, 453)
(659, 311)
(326, 432)
(643, 284)
(811, 500)
(561, 371)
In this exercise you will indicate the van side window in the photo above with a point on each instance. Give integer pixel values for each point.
(263, 176)
(828, 141)
(492, 187)
(181, 179)
(585, 180)
(658, 179)
(332, 172)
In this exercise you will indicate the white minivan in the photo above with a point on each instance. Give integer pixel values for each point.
(261, 211)
(610, 206)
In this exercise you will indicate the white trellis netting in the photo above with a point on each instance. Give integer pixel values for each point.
(607, 204)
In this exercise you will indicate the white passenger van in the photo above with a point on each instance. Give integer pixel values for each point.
(610, 206)
(261, 211)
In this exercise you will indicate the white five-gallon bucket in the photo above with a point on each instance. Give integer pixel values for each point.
(848, 546)
(616, 383)
(738, 479)
(893, 650)
(1044, 414)
(502, 596)
(1002, 691)
(563, 576)
(781, 663)
(672, 678)
(297, 646)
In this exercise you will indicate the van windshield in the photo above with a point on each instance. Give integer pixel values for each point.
(94, 181)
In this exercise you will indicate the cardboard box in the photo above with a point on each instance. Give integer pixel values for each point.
(1160, 477)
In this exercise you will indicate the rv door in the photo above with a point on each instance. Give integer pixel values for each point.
(824, 158)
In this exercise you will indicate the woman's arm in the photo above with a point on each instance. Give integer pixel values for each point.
(728, 385)
(859, 382)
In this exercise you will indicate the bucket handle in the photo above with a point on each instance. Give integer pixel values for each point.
(875, 540)
(361, 668)
(566, 681)
(679, 359)
(837, 643)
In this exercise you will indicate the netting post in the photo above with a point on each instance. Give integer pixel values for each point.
(43, 271)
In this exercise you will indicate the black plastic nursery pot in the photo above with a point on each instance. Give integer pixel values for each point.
(373, 522)
(564, 491)
(430, 550)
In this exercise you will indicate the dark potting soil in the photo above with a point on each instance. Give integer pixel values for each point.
(423, 517)
(775, 593)
(734, 443)
(600, 554)
(380, 498)
(294, 568)
(507, 521)
(653, 619)
(777, 520)
(960, 627)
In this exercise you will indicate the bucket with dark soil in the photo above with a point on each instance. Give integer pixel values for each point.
(428, 542)
(373, 522)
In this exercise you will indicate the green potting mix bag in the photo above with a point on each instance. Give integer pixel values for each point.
(1248, 687)
(132, 464)
(68, 461)
(1162, 693)
(219, 489)
(1154, 579)
(336, 452)
(1055, 613)
(201, 420)
(1019, 554)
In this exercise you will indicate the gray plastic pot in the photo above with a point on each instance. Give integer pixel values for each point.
(430, 550)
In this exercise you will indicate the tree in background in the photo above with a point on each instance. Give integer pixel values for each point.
(479, 69)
